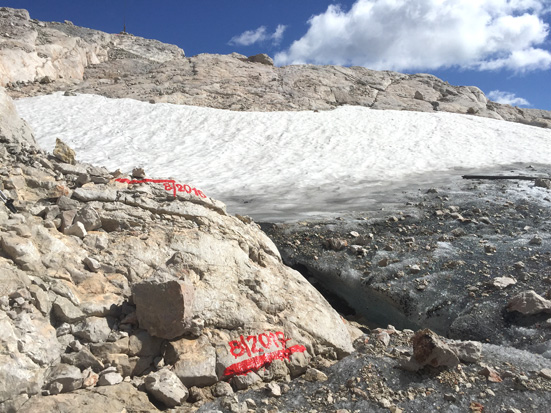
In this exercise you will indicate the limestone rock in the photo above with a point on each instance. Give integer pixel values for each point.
(67, 218)
(89, 218)
(19, 374)
(141, 343)
(90, 378)
(261, 58)
(467, 351)
(63, 152)
(93, 329)
(91, 193)
(163, 307)
(83, 359)
(109, 379)
(503, 282)
(543, 183)
(138, 173)
(66, 311)
(314, 375)
(278, 370)
(429, 349)
(61, 55)
(76, 229)
(297, 364)
(69, 377)
(116, 398)
(222, 389)
(244, 381)
(92, 264)
(491, 374)
(529, 303)
(22, 251)
(195, 394)
(194, 361)
(165, 387)
(13, 129)
(274, 389)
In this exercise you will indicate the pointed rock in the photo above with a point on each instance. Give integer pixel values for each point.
(429, 349)
(63, 152)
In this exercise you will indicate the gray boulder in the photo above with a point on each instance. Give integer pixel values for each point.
(163, 307)
(69, 377)
(89, 218)
(166, 387)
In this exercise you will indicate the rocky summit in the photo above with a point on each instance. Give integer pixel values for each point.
(119, 294)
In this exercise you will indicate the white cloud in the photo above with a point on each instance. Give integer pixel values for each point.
(259, 35)
(249, 37)
(507, 98)
(427, 34)
(278, 34)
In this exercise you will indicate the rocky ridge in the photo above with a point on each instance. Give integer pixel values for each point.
(39, 58)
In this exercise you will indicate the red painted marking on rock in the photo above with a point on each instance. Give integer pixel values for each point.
(169, 184)
(255, 363)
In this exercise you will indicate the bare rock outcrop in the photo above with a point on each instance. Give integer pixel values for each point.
(150, 281)
(45, 52)
(40, 58)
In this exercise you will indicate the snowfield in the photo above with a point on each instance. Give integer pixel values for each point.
(282, 165)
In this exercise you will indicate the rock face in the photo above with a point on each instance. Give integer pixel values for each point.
(44, 52)
(106, 282)
(80, 60)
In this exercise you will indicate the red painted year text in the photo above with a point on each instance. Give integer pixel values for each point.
(169, 184)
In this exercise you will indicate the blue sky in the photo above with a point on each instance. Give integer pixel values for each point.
(501, 46)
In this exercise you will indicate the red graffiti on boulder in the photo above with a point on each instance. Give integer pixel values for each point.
(259, 344)
(255, 363)
(169, 184)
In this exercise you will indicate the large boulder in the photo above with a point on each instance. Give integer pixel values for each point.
(163, 307)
